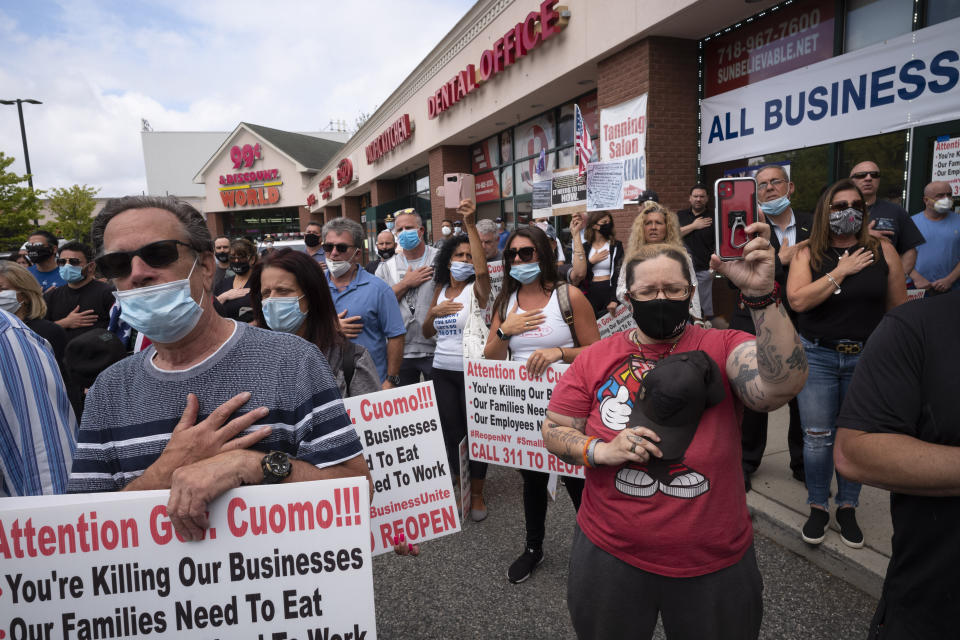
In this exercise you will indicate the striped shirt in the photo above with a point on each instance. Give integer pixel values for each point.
(134, 406)
(37, 425)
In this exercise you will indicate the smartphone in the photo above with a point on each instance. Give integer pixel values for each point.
(736, 209)
(885, 224)
(457, 187)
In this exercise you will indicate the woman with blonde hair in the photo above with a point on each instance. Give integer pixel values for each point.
(656, 224)
(20, 295)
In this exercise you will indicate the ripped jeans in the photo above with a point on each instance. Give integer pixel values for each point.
(820, 400)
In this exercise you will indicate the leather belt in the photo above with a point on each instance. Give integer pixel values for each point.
(848, 347)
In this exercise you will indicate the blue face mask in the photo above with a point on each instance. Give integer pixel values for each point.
(164, 312)
(526, 272)
(775, 207)
(408, 239)
(70, 273)
(283, 314)
(389, 225)
(461, 270)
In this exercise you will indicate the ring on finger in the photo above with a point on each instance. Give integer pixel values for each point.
(633, 448)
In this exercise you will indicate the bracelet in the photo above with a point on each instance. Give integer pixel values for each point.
(586, 447)
(760, 302)
(562, 357)
(591, 452)
(835, 283)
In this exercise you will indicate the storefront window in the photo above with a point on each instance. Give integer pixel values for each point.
(258, 223)
(486, 155)
(534, 135)
(872, 21)
(888, 151)
(525, 173)
(938, 11)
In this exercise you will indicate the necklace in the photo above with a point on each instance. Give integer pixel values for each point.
(636, 340)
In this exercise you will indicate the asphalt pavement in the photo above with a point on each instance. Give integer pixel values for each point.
(458, 586)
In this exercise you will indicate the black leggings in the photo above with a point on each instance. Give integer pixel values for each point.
(452, 406)
(535, 503)
(600, 294)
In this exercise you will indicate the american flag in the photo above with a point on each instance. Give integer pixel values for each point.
(584, 143)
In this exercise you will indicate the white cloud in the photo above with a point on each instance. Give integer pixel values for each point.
(99, 67)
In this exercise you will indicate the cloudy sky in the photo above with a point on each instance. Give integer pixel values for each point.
(194, 65)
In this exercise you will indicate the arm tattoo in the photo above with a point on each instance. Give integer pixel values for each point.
(745, 380)
(565, 442)
(769, 360)
(798, 359)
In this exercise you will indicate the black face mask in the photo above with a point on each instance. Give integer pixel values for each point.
(386, 254)
(222, 256)
(240, 268)
(39, 253)
(311, 240)
(606, 229)
(661, 318)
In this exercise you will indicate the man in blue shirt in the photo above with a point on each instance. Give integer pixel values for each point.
(367, 306)
(938, 260)
(42, 251)
(312, 238)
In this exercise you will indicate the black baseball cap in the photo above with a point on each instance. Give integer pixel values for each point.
(87, 355)
(647, 194)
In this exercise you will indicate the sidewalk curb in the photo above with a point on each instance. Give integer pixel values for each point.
(863, 568)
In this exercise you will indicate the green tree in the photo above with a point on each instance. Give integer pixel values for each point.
(19, 207)
(72, 209)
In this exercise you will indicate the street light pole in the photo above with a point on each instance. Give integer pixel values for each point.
(23, 132)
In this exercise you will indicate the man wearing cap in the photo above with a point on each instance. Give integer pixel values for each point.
(888, 221)
(411, 277)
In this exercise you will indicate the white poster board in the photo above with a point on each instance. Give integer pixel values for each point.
(568, 192)
(604, 186)
(505, 409)
(403, 446)
(946, 162)
(278, 561)
(623, 137)
(542, 203)
(620, 320)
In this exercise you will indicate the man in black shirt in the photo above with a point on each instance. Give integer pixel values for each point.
(899, 431)
(696, 227)
(84, 303)
(888, 221)
(386, 247)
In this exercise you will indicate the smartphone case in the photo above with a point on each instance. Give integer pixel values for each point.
(736, 209)
(457, 187)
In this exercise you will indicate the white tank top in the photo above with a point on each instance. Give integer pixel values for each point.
(449, 352)
(604, 268)
(554, 332)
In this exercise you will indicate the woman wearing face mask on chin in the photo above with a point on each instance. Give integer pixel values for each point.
(601, 269)
(840, 285)
(529, 326)
(460, 271)
(289, 293)
(233, 293)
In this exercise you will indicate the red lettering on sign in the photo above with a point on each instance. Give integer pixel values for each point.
(397, 133)
(344, 172)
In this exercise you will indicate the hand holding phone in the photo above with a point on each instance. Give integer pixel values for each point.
(736, 209)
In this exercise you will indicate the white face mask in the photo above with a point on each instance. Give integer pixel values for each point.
(943, 205)
(446, 231)
(8, 301)
(337, 267)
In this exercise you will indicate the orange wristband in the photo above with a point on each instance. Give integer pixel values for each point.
(586, 446)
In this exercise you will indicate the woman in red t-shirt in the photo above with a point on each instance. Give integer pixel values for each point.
(671, 538)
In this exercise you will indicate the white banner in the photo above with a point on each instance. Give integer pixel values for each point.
(907, 81)
(278, 561)
(621, 320)
(623, 136)
(505, 408)
(403, 446)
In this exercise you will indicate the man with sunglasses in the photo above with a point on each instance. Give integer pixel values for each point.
(42, 251)
(83, 303)
(888, 221)
(213, 403)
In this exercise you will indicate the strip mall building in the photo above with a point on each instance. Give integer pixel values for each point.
(681, 91)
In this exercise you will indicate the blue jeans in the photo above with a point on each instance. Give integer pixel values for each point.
(820, 400)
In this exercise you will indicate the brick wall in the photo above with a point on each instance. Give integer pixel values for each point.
(443, 160)
(351, 208)
(382, 191)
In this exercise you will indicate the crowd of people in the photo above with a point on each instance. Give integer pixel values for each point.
(668, 419)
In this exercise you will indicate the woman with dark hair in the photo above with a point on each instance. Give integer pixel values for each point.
(289, 293)
(539, 321)
(598, 274)
(840, 286)
(462, 284)
(233, 293)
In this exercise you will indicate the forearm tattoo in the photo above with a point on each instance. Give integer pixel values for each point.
(565, 442)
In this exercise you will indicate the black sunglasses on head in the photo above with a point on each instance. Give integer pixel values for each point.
(74, 262)
(860, 175)
(525, 253)
(341, 247)
(158, 254)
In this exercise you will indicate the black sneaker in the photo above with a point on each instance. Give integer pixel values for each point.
(523, 566)
(815, 529)
(850, 533)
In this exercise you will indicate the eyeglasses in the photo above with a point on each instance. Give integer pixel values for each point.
(860, 175)
(775, 183)
(74, 262)
(158, 254)
(341, 247)
(525, 253)
(670, 291)
(843, 205)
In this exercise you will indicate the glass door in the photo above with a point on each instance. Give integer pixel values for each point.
(935, 154)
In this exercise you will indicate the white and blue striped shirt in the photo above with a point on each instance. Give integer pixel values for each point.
(37, 425)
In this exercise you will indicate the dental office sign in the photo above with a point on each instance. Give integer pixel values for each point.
(904, 82)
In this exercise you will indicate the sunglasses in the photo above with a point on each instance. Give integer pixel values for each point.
(525, 253)
(341, 247)
(74, 262)
(843, 204)
(158, 254)
(860, 175)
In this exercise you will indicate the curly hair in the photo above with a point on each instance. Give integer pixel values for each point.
(441, 264)
(637, 239)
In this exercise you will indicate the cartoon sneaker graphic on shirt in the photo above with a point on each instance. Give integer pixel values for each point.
(669, 398)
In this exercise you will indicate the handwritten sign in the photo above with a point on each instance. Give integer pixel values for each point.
(621, 320)
(604, 186)
(542, 196)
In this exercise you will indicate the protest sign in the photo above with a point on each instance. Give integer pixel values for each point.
(505, 408)
(278, 561)
(620, 320)
(403, 446)
(946, 162)
(604, 186)
(495, 268)
(542, 205)
(568, 193)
